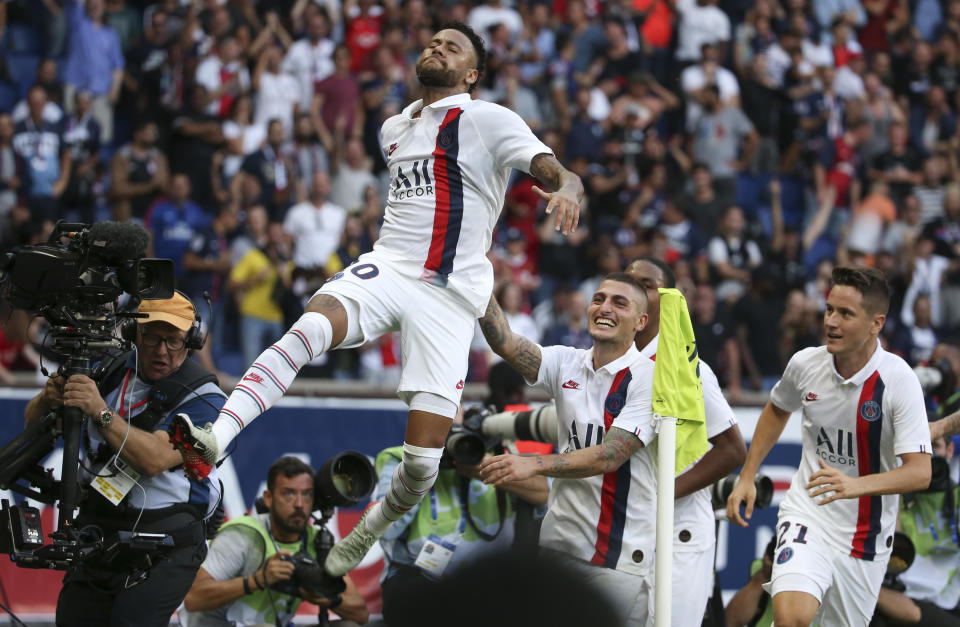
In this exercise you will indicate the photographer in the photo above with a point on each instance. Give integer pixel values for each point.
(928, 592)
(461, 515)
(132, 473)
(250, 556)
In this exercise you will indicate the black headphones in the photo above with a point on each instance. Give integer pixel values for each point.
(195, 339)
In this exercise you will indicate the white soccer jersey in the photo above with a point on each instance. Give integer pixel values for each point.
(858, 425)
(448, 170)
(608, 520)
(694, 513)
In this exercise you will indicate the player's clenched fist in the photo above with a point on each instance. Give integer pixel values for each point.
(744, 492)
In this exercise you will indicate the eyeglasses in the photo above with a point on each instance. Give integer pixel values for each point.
(152, 340)
(289, 494)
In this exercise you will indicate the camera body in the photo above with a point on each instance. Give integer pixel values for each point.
(309, 574)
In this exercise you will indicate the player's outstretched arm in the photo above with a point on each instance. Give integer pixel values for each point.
(769, 427)
(515, 349)
(912, 476)
(566, 200)
(945, 427)
(617, 447)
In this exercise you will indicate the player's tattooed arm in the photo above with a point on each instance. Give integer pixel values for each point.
(566, 200)
(945, 427)
(515, 349)
(617, 447)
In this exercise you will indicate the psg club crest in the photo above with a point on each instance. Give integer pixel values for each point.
(785, 556)
(445, 139)
(870, 411)
(614, 404)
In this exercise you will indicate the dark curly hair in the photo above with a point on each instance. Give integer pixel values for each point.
(479, 48)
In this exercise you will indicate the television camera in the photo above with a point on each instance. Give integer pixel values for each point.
(75, 281)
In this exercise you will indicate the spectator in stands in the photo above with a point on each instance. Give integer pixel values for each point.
(758, 339)
(724, 139)
(733, 256)
(571, 329)
(206, 264)
(273, 171)
(684, 240)
(40, 145)
(716, 338)
(94, 61)
(337, 98)
(916, 338)
(253, 281)
(139, 173)
(196, 136)
(224, 75)
(701, 22)
(585, 37)
(309, 152)
(761, 105)
(352, 175)
(870, 218)
(934, 124)
(252, 553)
(944, 232)
(174, 221)
(929, 192)
(310, 60)
(81, 136)
(278, 93)
(700, 77)
(316, 226)
(13, 170)
(704, 206)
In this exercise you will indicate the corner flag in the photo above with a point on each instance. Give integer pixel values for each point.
(677, 390)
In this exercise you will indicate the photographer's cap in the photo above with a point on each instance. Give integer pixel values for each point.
(177, 311)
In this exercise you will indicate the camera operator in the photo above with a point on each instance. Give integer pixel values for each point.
(928, 592)
(458, 521)
(250, 555)
(131, 472)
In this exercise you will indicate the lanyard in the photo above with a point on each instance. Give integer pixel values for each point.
(123, 395)
(462, 524)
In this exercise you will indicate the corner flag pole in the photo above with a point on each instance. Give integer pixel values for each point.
(666, 467)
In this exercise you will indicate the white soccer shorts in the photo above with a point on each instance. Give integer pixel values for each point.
(436, 326)
(692, 585)
(846, 587)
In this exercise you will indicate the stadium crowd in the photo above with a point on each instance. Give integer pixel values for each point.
(750, 144)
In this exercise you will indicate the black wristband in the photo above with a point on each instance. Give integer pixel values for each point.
(337, 600)
(246, 585)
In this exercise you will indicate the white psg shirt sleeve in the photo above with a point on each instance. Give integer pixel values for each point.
(506, 136)
(637, 413)
(552, 359)
(911, 432)
(786, 393)
(719, 416)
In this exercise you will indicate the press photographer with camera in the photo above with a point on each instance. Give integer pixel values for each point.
(457, 522)
(252, 574)
(927, 592)
(131, 470)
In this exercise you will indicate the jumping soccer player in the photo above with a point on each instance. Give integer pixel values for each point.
(450, 158)
(862, 409)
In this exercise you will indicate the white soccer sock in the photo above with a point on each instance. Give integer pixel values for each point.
(413, 478)
(271, 374)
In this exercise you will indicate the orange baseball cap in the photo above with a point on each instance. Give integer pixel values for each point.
(177, 311)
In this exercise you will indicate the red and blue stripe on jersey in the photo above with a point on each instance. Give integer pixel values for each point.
(616, 484)
(448, 214)
(868, 463)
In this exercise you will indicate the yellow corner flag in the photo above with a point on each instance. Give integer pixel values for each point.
(677, 390)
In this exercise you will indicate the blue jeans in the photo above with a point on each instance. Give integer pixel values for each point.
(256, 334)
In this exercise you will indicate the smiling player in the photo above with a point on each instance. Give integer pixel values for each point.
(865, 440)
